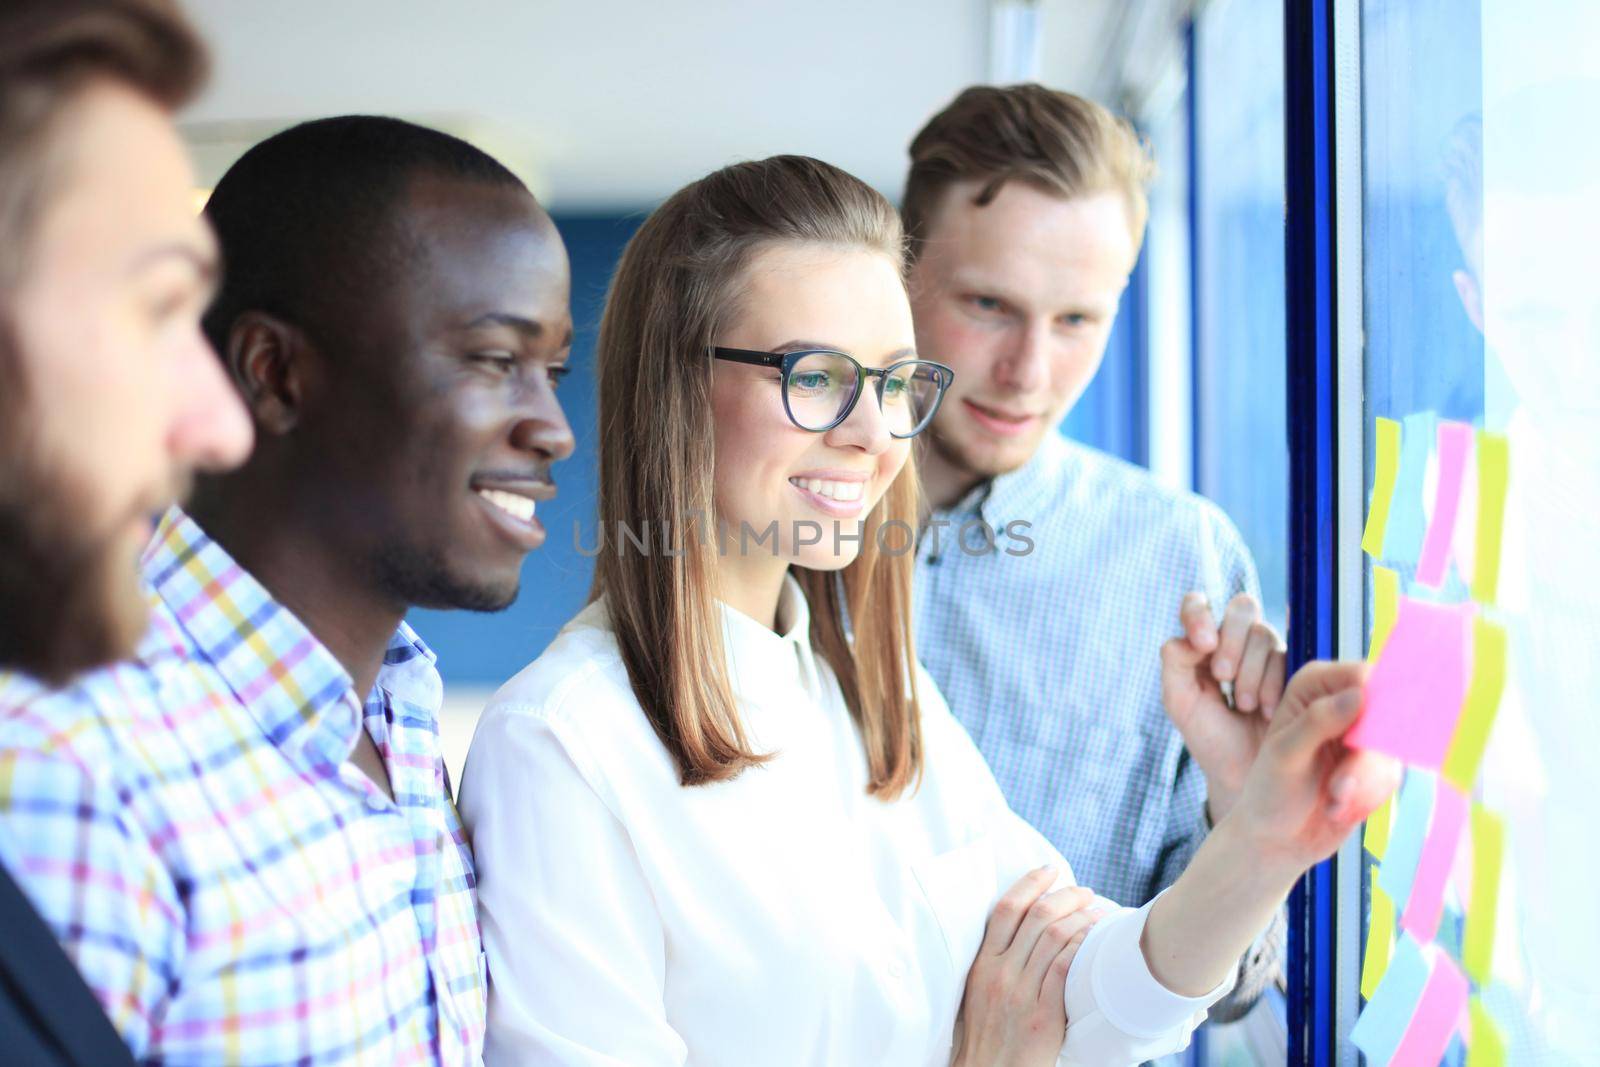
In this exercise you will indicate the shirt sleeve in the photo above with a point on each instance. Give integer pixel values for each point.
(1187, 825)
(1236, 567)
(69, 838)
(1117, 1011)
(577, 954)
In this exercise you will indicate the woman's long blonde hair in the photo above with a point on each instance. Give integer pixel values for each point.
(678, 284)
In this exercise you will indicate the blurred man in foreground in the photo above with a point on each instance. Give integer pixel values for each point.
(109, 395)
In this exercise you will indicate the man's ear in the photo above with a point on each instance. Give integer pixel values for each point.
(268, 360)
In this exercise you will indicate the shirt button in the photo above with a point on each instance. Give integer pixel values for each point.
(377, 802)
(897, 969)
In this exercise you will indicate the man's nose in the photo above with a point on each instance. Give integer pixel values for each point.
(1026, 367)
(543, 429)
(211, 430)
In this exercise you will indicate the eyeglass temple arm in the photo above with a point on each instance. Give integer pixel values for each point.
(742, 355)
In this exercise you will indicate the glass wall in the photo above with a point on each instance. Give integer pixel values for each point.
(1240, 448)
(1482, 373)
(1241, 445)
(1169, 315)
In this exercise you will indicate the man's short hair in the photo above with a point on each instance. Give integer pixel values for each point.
(49, 51)
(1054, 141)
(309, 217)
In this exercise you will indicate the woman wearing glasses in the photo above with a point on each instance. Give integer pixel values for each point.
(725, 819)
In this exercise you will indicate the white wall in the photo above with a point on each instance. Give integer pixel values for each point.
(615, 103)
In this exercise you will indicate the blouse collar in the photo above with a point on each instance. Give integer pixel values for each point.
(761, 659)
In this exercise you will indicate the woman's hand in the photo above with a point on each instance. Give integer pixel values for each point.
(1304, 795)
(1014, 1012)
(1309, 790)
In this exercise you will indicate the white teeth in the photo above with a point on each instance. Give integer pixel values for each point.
(842, 491)
(518, 507)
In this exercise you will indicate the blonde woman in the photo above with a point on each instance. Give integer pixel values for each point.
(725, 819)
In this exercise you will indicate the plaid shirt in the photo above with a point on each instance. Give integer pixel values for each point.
(231, 887)
(1051, 659)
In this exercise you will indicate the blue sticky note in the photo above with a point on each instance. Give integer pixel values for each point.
(1402, 543)
(1450, 930)
(1456, 1054)
(1407, 832)
(1387, 1016)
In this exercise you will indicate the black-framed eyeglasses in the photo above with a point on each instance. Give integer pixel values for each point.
(821, 387)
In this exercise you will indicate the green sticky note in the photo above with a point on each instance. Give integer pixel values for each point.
(1479, 706)
(1487, 1047)
(1380, 938)
(1376, 838)
(1385, 608)
(1386, 434)
(1488, 849)
(1494, 471)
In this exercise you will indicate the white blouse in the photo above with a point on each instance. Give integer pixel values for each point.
(783, 917)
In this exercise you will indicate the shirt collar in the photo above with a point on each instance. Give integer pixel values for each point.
(761, 659)
(1017, 494)
(411, 669)
(410, 678)
(296, 690)
(17, 689)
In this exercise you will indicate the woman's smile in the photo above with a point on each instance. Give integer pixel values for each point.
(840, 494)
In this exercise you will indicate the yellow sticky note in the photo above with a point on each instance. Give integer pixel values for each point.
(1487, 1047)
(1380, 938)
(1494, 471)
(1488, 849)
(1480, 705)
(1376, 839)
(1385, 608)
(1386, 435)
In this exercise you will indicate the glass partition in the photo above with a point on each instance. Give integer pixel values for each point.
(1480, 220)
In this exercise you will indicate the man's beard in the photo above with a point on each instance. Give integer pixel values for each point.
(70, 595)
(421, 577)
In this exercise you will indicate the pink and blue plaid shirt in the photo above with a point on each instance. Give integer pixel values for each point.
(232, 888)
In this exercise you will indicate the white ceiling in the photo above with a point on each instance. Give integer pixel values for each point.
(613, 104)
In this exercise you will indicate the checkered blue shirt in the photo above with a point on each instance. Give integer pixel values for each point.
(230, 886)
(1051, 659)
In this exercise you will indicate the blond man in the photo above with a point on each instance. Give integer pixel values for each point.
(1049, 573)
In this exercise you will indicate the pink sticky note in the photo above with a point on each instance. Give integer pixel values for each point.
(1455, 441)
(1437, 1016)
(1426, 903)
(1415, 690)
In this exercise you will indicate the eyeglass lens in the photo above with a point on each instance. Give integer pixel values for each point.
(821, 385)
